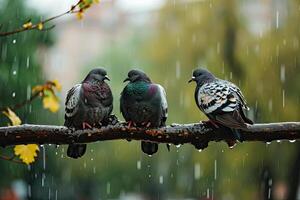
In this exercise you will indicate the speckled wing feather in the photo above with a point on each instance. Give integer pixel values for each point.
(219, 97)
(164, 103)
(72, 100)
(223, 101)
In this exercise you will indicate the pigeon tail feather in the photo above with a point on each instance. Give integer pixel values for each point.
(76, 150)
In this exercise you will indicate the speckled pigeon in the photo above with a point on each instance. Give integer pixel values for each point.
(88, 104)
(144, 104)
(221, 101)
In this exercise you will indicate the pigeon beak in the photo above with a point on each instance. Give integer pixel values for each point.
(106, 78)
(192, 79)
(127, 79)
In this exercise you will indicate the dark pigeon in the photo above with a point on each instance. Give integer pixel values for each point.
(144, 104)
(221, 101)
(88, 104)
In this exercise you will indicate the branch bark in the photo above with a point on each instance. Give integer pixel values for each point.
(197, 134)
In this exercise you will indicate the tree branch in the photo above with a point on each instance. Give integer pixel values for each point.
(40, 25)
(197, 134)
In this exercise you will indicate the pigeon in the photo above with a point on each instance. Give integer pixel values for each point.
(88, 104)
(221, 101)
(144, 104)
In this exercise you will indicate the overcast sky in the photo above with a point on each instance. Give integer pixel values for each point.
(58, 6)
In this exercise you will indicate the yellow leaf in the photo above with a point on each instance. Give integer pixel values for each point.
(79, 15)
(50, 101)
(97, 1)
(27, 153)
(27, 25)
(57, 84)
(40, 26)
(15, 120)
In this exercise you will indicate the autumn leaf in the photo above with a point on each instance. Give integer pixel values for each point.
(27, 25)
(79, 15)
(15, 120)
(57, 85)
(40, 26)
(50, 101)
(27, 153)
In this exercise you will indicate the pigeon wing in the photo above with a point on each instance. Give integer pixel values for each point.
(216, 97)
(72, 100)
(164, 103)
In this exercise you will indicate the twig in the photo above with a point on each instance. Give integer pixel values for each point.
(197, 134)
(11, 159)
(25, 102)
(38, 25)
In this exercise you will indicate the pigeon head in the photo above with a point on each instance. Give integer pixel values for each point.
(201, 76)
(137, 75)
(96, 75)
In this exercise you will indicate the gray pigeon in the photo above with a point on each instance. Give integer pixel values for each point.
(88, 104)
(221, 101)
(144, 104)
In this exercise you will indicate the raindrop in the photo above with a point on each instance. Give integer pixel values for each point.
(94, 170)
(278, 141)
(199, 150)
(277, 19)
(197, 171)
(215, 170)
(108, 188)
(270, 105)
(138, 165)
(282, 73)
(150, 156)
(49, 194)
(292, 141)
(161, 179)
(178, 145)
(13, 94)
(14, 72)
(84, 165)
(14, 41)
(92, 159)
(149, 175)
(283, 98)
(207, 193)
(29, 190)
(44, 157)
(268, 143)
(43, 179)
(56, 194)
(27, 62)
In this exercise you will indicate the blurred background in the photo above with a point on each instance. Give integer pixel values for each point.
(253, 43)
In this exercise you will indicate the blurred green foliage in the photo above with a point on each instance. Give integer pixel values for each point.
(213, 34)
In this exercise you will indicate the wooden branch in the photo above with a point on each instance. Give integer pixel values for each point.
(197, 134)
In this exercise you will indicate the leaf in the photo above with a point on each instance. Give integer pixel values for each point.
(50, 101)
(27, 25)
(79, 15)
(40, 26)
(15, 120)
(57, 85)
(27, 153)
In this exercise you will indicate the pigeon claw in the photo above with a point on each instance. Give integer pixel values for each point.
(86, 125)
(211, 123)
